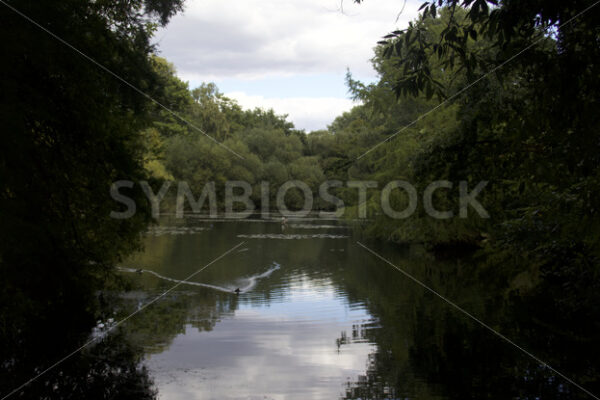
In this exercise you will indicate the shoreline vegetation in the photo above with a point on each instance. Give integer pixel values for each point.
(531, 129)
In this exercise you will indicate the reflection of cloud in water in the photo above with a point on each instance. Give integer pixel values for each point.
(292, 236)
(285, 349)
(251, 281)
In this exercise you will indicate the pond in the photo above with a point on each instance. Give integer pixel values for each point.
(319, 317)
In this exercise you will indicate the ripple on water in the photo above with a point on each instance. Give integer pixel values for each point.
(292, 236)
(309, 226)
(175, 230)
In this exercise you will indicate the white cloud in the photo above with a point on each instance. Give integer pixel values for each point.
(310, 113)
(250, 39)
(262, 41)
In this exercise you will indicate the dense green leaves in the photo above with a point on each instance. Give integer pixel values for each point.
(521, 79)
(69, 129)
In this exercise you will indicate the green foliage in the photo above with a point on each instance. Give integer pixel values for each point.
(521, 79)
(70, 130)
(272, 149)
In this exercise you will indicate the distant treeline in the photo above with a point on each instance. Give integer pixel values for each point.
(506, 95)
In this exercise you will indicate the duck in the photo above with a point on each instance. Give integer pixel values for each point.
(237, 291)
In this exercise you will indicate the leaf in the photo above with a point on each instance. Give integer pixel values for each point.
(484, 7)
(408, 37)
(387, 52)
(429, 91)
(473, 61)
(398, 48)
(473, 34)
(437, 83)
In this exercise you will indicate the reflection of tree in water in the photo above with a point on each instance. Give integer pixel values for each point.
(35, 335)
(359, 334)
(156, 327)
(427, 349)
(110, 368)
(373, 385)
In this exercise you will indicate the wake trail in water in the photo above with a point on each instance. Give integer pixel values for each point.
(251, 280)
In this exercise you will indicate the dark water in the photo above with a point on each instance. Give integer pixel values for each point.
(318, 317)
(293, 332)
(321, 318)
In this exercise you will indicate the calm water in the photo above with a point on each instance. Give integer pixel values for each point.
(318, 317)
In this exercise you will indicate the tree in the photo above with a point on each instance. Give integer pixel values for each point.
(520, 79)
(70, 129)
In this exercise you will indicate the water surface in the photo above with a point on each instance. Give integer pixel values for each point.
(318, 317)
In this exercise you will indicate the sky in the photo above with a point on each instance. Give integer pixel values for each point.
(289, 55)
